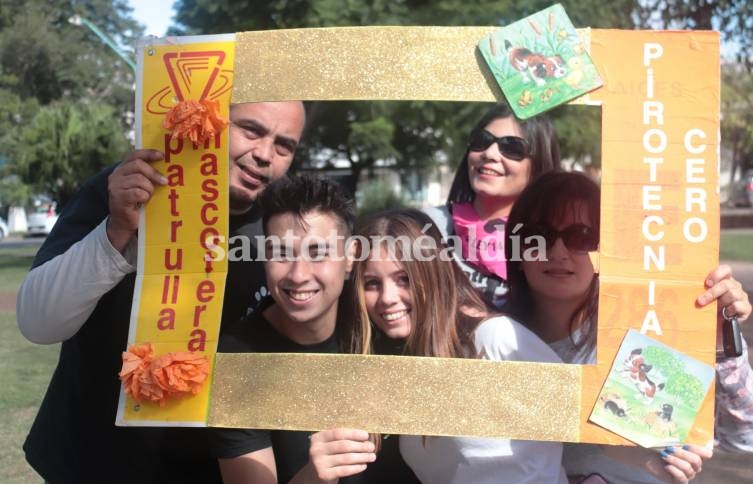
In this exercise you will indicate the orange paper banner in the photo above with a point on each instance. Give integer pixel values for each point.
(179, 287)
(659, 199)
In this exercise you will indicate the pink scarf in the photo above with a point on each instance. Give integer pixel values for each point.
(482, 241)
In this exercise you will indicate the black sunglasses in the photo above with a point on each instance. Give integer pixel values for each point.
(512, 147)
(576, 237)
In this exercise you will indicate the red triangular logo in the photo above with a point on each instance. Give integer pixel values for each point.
(193, 75)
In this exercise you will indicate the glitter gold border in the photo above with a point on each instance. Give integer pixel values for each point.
(433, 63)
(366, 63)
(387, 394)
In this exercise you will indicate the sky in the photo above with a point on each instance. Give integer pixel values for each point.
(156, 15)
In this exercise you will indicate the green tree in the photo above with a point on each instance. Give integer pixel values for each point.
(671, 366)
(413, 134)
(400, 134)
(358, 133)
(737, 116)
(731, 17)
(678, 383)
(13, 192)
(376, 197)
(685, 388)
(209, 16)
(578, 130)
(43, 56)
(47, 63)
(64, 144)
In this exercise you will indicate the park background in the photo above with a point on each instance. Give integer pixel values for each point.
(66, 111)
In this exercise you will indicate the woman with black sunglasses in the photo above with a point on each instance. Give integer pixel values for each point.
(504, 155)
(557, 298)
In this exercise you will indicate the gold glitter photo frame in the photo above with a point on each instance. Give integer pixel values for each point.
(659, 234)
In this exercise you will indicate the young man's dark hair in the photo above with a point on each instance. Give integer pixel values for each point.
(300, 195)
(304, 194)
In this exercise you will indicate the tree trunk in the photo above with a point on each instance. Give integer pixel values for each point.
(351, 181)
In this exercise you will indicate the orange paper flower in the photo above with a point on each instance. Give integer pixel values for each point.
(198, 121)
(157, 379)
(135, 375)
(179, 373)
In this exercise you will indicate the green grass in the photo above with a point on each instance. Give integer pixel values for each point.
(25, 370)
(14, 264)
(633, 426)
(736, 247)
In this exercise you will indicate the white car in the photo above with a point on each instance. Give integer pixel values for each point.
(42, 220)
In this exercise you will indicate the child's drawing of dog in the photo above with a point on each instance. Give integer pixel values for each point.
(533, 65)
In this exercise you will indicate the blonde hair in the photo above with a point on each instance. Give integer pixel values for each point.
(446, 308)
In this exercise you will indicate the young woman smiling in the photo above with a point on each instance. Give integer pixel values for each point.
(503, 156)
(429, 308)
(557, 298)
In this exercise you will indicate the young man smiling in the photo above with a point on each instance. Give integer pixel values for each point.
(305, 313)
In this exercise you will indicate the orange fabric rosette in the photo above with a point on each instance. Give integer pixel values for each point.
(198, 121)
(159, 378)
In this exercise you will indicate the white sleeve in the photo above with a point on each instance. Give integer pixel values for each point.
(441, 218)
(502, 338)
(57, 297)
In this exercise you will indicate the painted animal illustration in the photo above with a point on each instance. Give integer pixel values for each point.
(661, 421)
(576, 73)
(615, 404)
(535, 66)
(637, 371)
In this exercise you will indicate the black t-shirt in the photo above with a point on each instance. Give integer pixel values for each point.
(74, 438)
(389, 466)
(256, 335)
